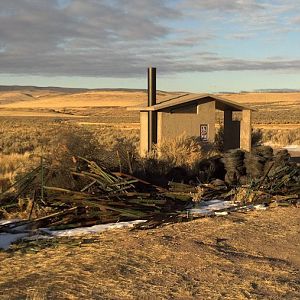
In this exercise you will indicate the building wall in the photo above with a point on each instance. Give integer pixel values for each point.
(207, 114)
(237, 134)
(186, 121)
(246, 130)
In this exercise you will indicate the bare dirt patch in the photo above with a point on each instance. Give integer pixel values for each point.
(240, 256)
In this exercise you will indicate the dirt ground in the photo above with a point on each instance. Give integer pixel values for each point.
(239, 256)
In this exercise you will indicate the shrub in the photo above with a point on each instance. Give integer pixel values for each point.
(180, 151)
(281, 137)
(256, 138)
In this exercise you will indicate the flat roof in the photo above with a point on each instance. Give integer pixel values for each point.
(186, 99)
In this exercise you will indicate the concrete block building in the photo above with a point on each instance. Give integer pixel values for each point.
(193, 115)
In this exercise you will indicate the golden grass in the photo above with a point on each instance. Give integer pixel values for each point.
(58, 99)
(281, 137)
(35, 113)
(86, 99)
(121, 126)
(276, 126)
(7, 162)
(182, 151)
(240, 256)
(285, 98)
(109, 106)
(182, 261)
(110, 125)
(11, 165)
(280, 108)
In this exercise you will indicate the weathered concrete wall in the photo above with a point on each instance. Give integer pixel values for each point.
(207, 115)
(231, 131)
(245, 136)
(187, 119)
(175, 123)
(144, 133)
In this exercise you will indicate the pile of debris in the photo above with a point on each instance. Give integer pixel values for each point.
(259, 176)
(98, 197)
(94, 195)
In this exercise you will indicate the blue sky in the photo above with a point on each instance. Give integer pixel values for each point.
(200, 46)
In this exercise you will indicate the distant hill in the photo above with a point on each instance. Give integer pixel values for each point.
(27, 101)
(262, 91)
(9, 88)
(32, 97)
(277, 90)
(6, 88)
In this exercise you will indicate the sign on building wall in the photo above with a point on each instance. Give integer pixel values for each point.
(204, 132)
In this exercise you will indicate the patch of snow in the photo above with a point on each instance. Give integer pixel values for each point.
(17, 224)
(292, 148)
(4, 222)
(6, 239)
(211, 207)
(221, 213)
(280, 146)
(260, 207)
(92, 229)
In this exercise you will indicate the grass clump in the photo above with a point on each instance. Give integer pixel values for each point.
(281, 137)
(183, 151)
(174, 159)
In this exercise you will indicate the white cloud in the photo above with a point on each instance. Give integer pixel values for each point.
(224, 5)
(295, 20)
(120, 38)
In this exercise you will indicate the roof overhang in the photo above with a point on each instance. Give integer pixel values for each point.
(186, 99)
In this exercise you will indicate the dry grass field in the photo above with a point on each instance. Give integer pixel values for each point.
(264, 98)
(277, 115)
(273, 108)
(241, 256)
(32, 118)
(92, 98)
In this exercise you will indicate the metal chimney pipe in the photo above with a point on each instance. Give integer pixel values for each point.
(152, 115)
(151, 86)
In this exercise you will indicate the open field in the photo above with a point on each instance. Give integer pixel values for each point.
(273, 108)
(90, 98)
(59, 97)
(264, 98)
(32, 118)
(35, 113)
(277, 126)
(240, 256)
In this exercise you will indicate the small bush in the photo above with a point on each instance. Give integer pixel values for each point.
(178, 155)
(181, 151)
(281, 137)
(256, 137)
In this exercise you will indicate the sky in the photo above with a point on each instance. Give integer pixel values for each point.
(196, 45)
